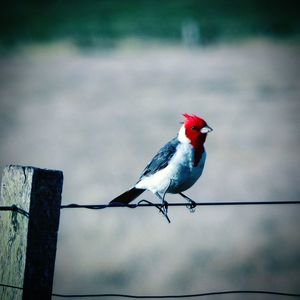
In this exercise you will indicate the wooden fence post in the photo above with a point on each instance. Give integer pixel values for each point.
(28, 246)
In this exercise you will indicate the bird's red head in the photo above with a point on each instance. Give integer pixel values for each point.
(196, 130)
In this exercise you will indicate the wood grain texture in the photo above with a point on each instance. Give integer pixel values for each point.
(15, 189)
(28, 247)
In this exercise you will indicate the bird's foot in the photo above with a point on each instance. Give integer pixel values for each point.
(164, 209)
(165, 206)
(191, 205)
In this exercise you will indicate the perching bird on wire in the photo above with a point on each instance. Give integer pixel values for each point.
(176, 166)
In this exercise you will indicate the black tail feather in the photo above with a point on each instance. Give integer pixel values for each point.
(128, 196)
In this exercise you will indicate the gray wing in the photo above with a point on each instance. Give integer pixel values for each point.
(162, 158)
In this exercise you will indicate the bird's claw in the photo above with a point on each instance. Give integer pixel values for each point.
(191, 206)
(165, 206)
(164, 209)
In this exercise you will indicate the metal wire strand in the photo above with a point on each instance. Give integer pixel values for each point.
(159, 206)
(16, 209)
(146, 203)
(163, 296)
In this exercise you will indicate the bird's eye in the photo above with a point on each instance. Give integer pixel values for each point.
(194, 128)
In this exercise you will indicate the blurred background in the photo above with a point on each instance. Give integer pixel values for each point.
(95, 88)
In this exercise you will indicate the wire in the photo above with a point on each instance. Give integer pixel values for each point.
(150, 204)
(11, 286)
(178, 296)
(159, 206)
(165, 296)
(16, 209)
(163, 208)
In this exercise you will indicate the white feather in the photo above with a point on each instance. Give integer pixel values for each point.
(180, 174)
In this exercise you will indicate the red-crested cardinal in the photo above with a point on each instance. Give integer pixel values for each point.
(176, 166)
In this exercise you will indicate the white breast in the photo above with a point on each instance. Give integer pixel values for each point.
(179, 175)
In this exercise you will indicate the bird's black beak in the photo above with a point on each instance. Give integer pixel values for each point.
(206, 129)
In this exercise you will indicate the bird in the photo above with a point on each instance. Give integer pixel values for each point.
(175, 167)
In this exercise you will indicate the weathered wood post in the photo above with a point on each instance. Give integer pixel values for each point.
(28, 246)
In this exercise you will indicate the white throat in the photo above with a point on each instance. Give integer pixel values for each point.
(182, 136)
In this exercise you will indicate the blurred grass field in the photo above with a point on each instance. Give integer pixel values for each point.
(100, 116)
